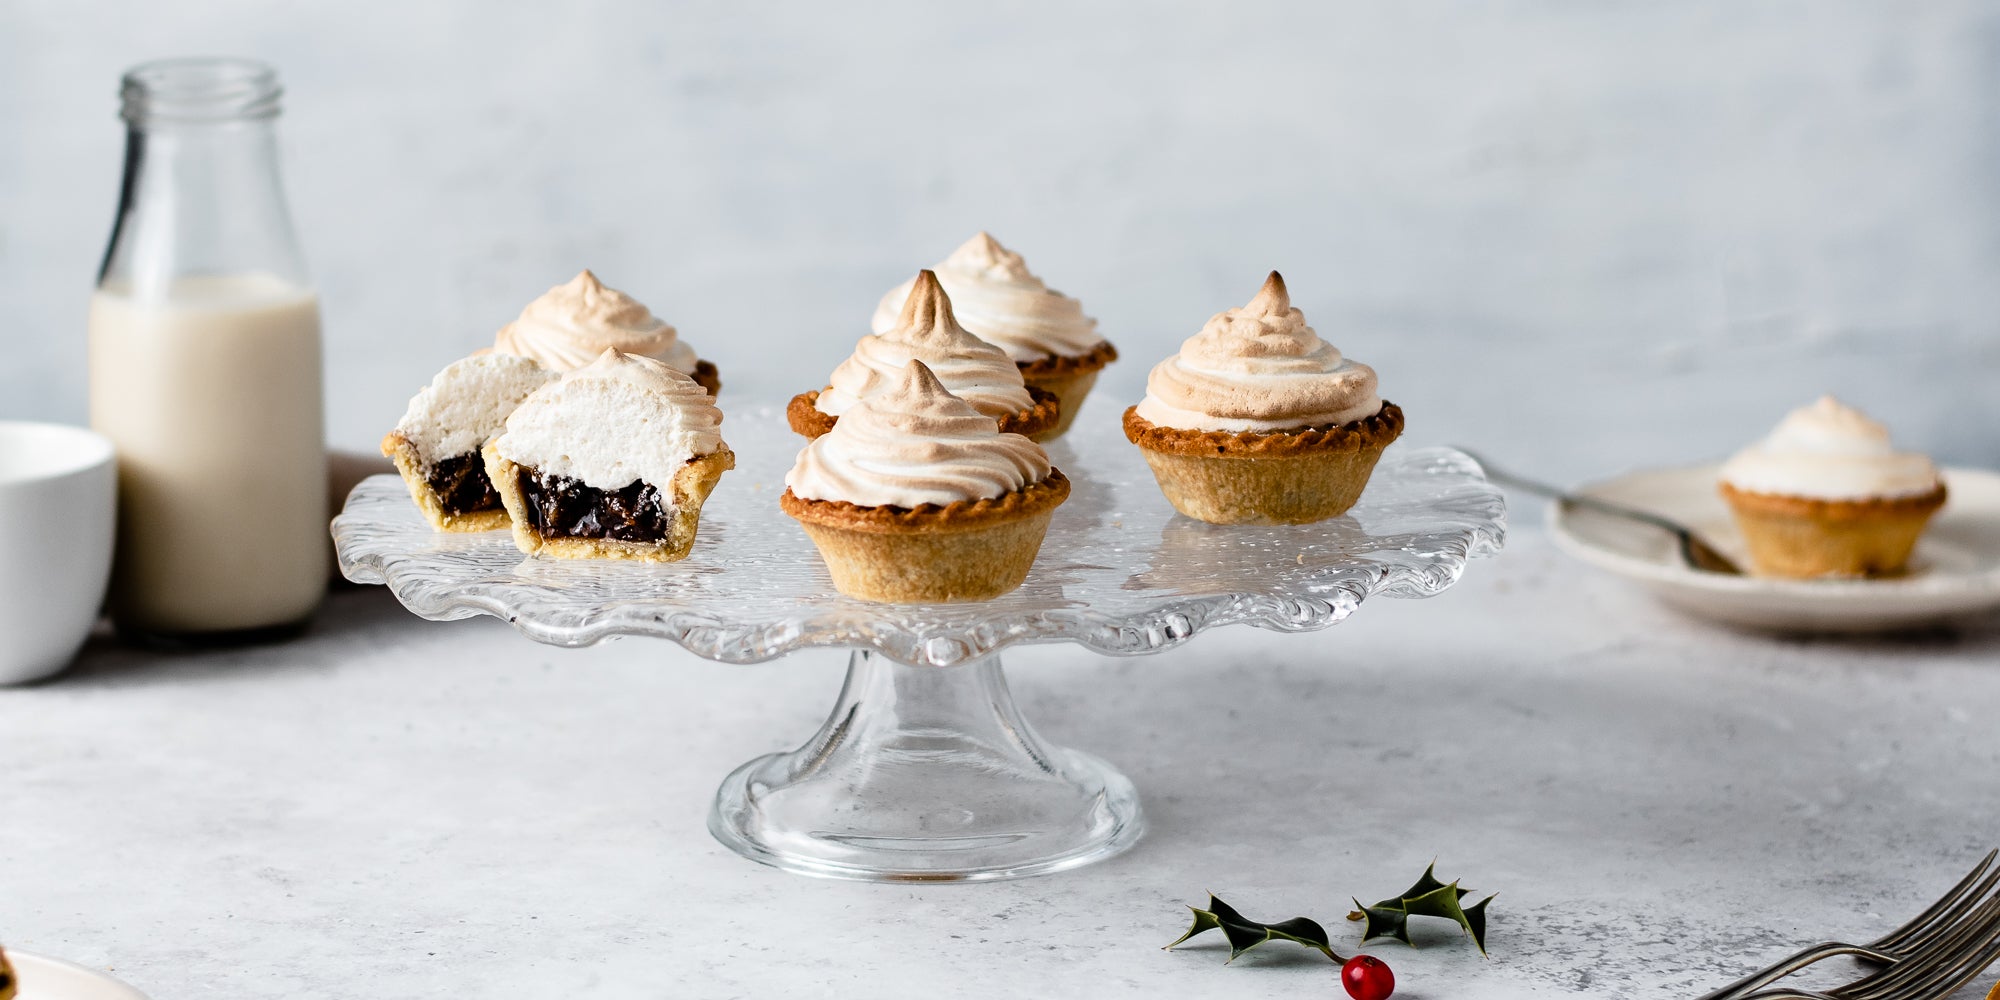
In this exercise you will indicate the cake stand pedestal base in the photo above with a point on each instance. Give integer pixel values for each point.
(926, 774)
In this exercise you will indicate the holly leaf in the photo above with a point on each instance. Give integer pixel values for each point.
(1426, 884)
(1244, 934)
(1444, 902)
(1204, 920)
(1383, 921)
(1475, 922)
(1429, 897)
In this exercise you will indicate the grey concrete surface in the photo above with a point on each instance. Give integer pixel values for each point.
(393, 807)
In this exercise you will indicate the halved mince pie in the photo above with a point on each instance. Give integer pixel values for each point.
(611, 461)
(436, 445)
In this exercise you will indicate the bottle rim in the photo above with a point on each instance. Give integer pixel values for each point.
(200, 89)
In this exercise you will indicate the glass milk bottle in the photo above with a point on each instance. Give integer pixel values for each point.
(205, 365)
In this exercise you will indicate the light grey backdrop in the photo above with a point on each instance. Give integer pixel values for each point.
(1583, 235)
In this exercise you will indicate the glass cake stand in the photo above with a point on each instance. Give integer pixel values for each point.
(925, 770)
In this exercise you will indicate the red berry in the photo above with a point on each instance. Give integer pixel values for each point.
(1367, 978)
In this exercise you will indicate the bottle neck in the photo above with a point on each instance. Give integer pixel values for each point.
(202, 194)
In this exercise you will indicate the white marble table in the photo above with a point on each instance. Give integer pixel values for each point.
(396, 808)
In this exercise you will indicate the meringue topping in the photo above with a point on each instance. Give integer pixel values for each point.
(1829, 451)
(915, 443)
(617, 420)
(926, 330)
(996, 297)
(467, 403)
(575, 322)
(1259, 368)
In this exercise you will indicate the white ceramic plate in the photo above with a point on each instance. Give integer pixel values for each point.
(54, 979)
(1954, 572)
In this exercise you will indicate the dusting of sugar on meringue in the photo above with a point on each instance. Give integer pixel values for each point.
(570, 325)
(1259, 368)
(995, 296)
(1829, 451)
(927, 331)
(912, 444)
(620, 419)
(468, 402)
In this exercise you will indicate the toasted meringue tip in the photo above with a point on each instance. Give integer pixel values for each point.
(918, 378)
(927, 298)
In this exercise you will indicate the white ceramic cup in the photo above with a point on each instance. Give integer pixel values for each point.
(58, 501)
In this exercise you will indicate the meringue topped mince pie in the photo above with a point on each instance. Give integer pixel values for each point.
(1258, 421)
(574, 323)
(436, 444)
(994, 295)
(612, 461)
(971, 369)
(1826, 494)
(917, 496)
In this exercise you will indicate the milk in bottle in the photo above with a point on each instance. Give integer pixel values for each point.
(205, 365)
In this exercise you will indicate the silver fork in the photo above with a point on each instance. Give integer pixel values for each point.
(1934, 974)
(1937, 922)
(1697, 553)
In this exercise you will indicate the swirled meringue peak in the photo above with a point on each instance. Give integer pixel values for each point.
(1829, 451)
(620, 419)
(995, 295)
(912, 444)
(575, 322)
(1259, 368)
(971, 369)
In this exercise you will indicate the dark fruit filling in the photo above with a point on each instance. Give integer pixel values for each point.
(561, 507)
(461, 485)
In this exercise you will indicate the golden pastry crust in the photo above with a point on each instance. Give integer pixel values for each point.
(707, 376)
(1063, 365)
(1070, 392)
(809, 421)
(1804, 537)
(1372, 432)
(689, 489)
(403, 452)
(1833, 510)
(8, 985)
(805, 418)
(1069, 379)
(972, 550)
(1286, 477)
(1034, 498)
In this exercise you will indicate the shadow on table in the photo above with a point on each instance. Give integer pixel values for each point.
(1970, 635)
(353, 622)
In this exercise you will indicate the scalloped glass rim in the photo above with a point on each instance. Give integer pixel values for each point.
(1120, 571)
